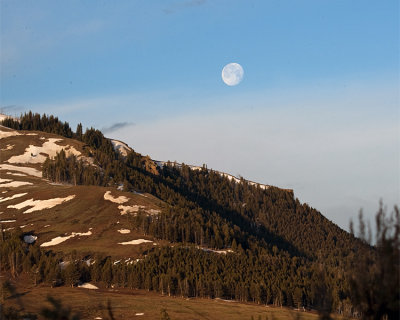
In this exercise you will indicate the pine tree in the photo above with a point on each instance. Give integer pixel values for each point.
(79, 132)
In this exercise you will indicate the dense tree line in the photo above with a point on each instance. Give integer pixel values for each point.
(371, 284)
(186, 271)
(30, 121)
(72, 170)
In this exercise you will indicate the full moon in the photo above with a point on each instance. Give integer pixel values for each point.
(232, 74)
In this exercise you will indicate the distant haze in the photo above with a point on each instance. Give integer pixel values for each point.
(338, 153)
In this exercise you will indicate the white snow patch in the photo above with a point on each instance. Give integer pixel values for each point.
(139, 314)
(4, 180)
(130, 209)
(27, 170)
(138, 241)
(7, 221)
(216, 251)
(121, 147)
(34, 154)
(58, 240)
(17, 195)
(153, 211)
(31, 134)
(16, 174)
(47, 225)
(89, 262)
(30, 238)
(8, 147)
(120, 199)
(64, 264)
(15, 184)
(87, 285)
(123, 231)
(6, 134)
(223, 174)
(40, 204)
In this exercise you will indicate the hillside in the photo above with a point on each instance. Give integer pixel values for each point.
(78, 207)
(83, 218)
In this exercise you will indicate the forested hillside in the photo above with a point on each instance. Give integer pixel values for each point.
(227, 239)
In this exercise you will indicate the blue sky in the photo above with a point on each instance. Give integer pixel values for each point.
(317, 110)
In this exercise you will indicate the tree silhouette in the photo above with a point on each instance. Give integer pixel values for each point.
(374, 279)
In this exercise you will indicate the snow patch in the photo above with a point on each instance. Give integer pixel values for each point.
(7, 221)
(138, 241)
(123, 231)
(40, 204)
(216, 251)
(30, 238)
(88, 285)
(139, 314)
(6, 134)
(8, 147)
(129, 209)
(16, 174)
(27, 170)
(109, 197)
(58, 240)
(34, 154)
(17, 195)
(161, 164)
(153, 211)
(64, 264)
(15, 184)
(121, 147)
(4, 116)
(4, 180)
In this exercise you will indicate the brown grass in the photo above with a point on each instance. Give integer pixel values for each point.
(126, 303)
(87, 210)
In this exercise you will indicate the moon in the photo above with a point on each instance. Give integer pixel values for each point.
(232, 74)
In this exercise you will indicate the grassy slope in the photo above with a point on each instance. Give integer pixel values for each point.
(126, 303)
(87, 210)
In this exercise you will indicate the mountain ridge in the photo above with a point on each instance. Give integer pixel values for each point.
(274, 244)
